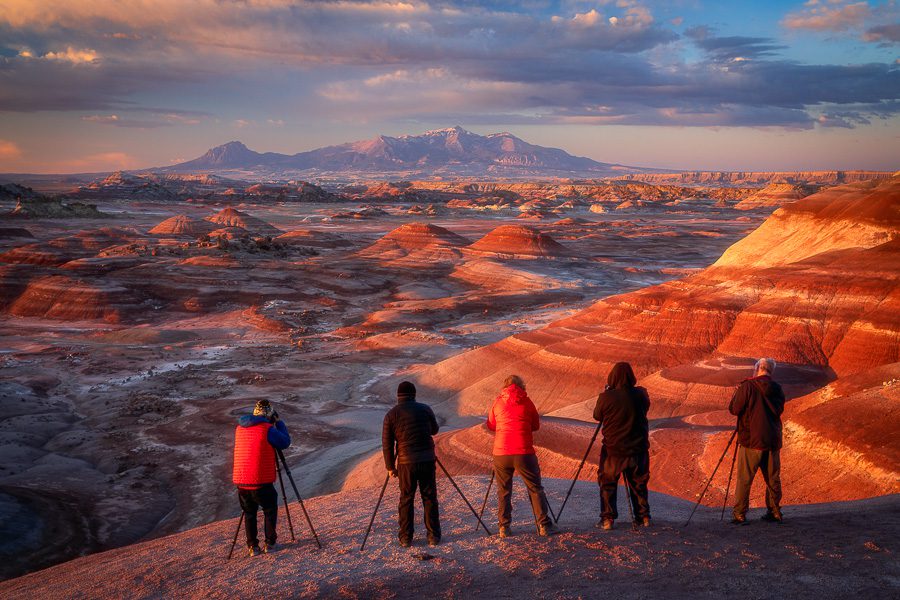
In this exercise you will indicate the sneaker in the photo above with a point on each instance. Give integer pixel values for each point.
(254, 550)
(605, 524)
(548, 530)
(738, 520)
(772, 517)
(643, 521)
(433, 541)
(505, 532)
(406, 543)
(270, 547)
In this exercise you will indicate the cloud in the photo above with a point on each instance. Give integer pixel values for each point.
(92, 163)
(737, 47)
(9, 150)
(71, 55)
(449, 60)
(149, 119)
(886, 34)
(835, 16)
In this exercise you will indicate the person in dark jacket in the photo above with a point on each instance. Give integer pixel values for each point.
(409, 455)
(513, 417)
(255, 440)
(758, 403)
(622, 413)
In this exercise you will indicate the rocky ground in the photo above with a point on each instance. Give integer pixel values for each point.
(836, 550)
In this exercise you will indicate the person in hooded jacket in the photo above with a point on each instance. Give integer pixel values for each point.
(514, 418)
(408, 448)
(758, 403)
(621, 411)
(256, 439)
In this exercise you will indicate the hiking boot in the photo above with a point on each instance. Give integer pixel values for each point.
(772, 517)
(548, 530)
(433, 541)
(605, 524)
(642, 521)
(738, 520)
(254, 550)
(505, 531)
(406, 543)
(270, 547)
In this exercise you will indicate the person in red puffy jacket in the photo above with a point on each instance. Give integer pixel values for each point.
(513, 417)
(256, 439)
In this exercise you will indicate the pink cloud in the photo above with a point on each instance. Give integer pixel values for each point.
(833, 17)
(9, 150)
(71, 55)
(103, 161)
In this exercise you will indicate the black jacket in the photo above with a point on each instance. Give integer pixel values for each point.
(758, 404)
(410, 425)
(622, 413)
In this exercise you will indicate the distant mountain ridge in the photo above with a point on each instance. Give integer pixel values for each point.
(452, 152)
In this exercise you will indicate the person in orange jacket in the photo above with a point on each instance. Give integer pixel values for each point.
(513, 417)
(255, 440)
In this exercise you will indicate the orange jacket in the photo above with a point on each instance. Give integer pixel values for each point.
(514, 418)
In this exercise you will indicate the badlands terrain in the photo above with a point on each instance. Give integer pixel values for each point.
(142, 313)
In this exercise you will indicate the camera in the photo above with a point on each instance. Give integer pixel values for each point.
(273, 417)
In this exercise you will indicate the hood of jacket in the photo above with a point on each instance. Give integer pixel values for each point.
(513, 394)
(251, 420)
(763, 381)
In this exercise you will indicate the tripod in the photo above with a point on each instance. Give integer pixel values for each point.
(706, 487)
(297, 493)
(287, 511)
(285, 500)
(488, 493)
(463, 496)
(377, 505)
(578, 471)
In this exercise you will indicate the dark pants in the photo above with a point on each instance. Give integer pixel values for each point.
(526, 465)
(251, 500)
(419, 474)
(748, 461)
(636, 471)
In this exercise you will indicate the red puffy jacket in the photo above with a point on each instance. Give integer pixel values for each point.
(254, 456)
(513, 416)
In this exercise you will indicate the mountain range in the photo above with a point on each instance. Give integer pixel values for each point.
(452, 152)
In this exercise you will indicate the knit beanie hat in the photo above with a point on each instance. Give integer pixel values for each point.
(406, 391)
(262, 409)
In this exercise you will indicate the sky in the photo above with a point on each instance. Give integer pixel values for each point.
(99, 85)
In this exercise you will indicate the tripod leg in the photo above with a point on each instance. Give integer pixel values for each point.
(236, 532)
(375, 512)
(287, 510)
(463, 496)
(299, 498)
(629, 500)
(484, 503)
(550, 508)
(577, 473)
(703, 493)
(728, 485)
